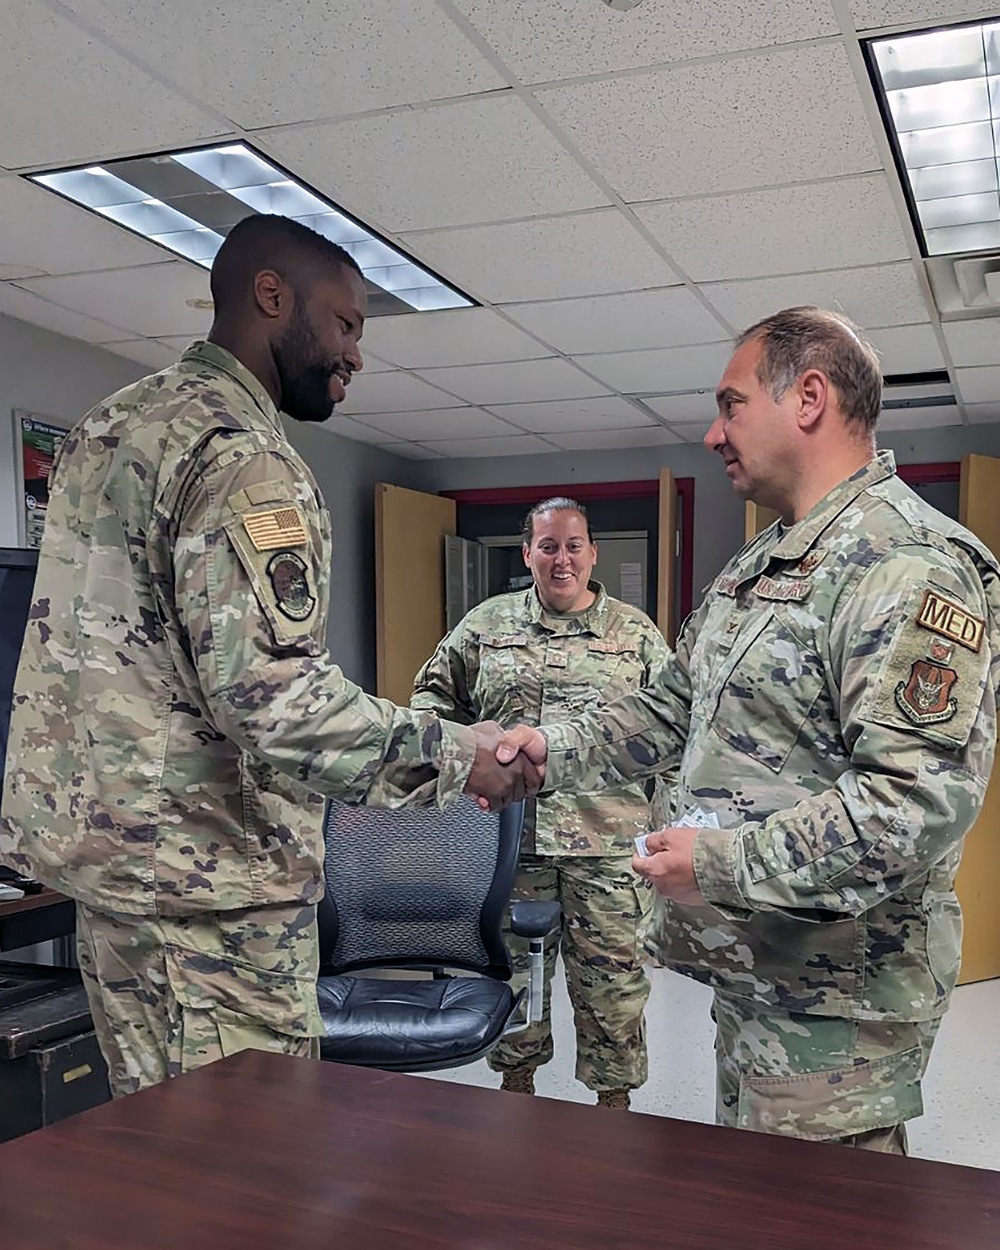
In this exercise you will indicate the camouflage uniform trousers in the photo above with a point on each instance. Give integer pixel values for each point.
(170, 995)
(821, 1078)
(605, 913)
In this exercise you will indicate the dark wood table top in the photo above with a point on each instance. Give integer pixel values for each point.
(267, 1151)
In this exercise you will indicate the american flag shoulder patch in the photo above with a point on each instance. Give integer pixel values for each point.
(277, 527)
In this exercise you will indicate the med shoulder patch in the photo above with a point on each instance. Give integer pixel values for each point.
(932, 673)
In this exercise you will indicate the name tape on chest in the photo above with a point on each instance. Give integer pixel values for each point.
(278, 527)
(951, 621)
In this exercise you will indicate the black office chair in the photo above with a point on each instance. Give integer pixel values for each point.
(423, 889)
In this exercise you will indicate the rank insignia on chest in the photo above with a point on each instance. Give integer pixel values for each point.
(925, 697)
(289, 577)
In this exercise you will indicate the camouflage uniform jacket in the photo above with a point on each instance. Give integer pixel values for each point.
(511, 661)
(175, 710)
(835, 705)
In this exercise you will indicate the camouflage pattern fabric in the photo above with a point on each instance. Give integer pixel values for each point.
(842, 804)
(833, 702)
(605, 911)
(168, 996)
(821, 1078)
(511, 661)
(177, 717)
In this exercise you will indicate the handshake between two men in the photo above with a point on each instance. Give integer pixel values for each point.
(510, 765)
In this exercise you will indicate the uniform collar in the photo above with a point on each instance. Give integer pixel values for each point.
(593, 621)
(794, 544)
(204, 353)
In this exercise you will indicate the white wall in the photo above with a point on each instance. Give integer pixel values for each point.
(718, 522)
(51, 376)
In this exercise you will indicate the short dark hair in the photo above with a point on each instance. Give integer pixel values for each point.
(797, 339)
(558, 503)
(267, 241)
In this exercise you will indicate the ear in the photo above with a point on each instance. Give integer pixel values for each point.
(525, 552)
(814, 395)
(272, 294)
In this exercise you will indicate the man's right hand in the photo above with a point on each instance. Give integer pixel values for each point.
(525, 739)
(500, 775)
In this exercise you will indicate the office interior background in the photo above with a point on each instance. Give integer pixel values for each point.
(614, 193)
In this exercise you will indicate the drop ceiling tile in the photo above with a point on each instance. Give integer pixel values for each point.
(604, 413)
(974, 342)
(545, 258)
(886, 295)
(608, 323)
(698, 406)
(660, 369)
(751, 121)
(558, 40)
(268, 62)
(357, 430)
(146, 351)
(46, 234)
(874, 14)
(511, 384)
(479, 160)
(920, 418)
(39, 312)
(459, 336)
(611, 440)
(413, 451)
(374, 364)
(823, 225)
(438, 423)
(983, 414)
(394, 392)
(65, 97)
(473, 448)
(151, 301)
(979, 385)
(907, 349)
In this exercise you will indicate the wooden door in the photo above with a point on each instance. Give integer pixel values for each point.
(410, 527)
(666, 572)
(978, 884)
(757, 518)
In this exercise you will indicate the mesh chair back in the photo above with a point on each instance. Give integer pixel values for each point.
(418, 887)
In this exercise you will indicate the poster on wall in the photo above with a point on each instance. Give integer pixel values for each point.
(36, 441)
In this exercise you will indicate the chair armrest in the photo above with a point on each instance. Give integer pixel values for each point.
(535, 920)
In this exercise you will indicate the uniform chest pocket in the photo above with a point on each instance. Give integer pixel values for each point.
(768, 688)
(614, 669)
(506, 676)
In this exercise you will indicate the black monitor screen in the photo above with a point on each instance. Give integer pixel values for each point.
(17, 579)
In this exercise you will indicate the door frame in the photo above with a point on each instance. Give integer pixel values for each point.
(585, 492)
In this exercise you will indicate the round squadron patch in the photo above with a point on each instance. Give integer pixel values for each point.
(290, 582)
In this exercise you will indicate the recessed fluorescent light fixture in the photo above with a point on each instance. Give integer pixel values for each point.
(940, 96)
(188, 201)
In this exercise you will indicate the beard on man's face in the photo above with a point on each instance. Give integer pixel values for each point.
(304, 372)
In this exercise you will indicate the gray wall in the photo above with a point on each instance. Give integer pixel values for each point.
(51, 376)
(347, 472)
(718, 521)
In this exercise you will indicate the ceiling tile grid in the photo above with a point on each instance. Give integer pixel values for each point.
(620, 191)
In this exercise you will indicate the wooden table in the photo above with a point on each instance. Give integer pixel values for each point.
(264, 1151)
(35, 918)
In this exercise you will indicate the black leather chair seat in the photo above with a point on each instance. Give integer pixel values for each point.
(412, 1026)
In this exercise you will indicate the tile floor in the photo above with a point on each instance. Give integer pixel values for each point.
(961, 1123)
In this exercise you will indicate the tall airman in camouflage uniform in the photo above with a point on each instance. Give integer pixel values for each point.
(551, 653)
(833, 701)
(177, 716)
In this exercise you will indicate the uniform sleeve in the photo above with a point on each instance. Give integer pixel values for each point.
(442, 685)
(634, 737)
(910, 656)
(251, 566)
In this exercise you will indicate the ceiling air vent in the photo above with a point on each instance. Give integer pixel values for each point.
(965, 286)
(622, 6)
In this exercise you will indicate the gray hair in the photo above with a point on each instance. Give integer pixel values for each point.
(559, 503)
(797, 339)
